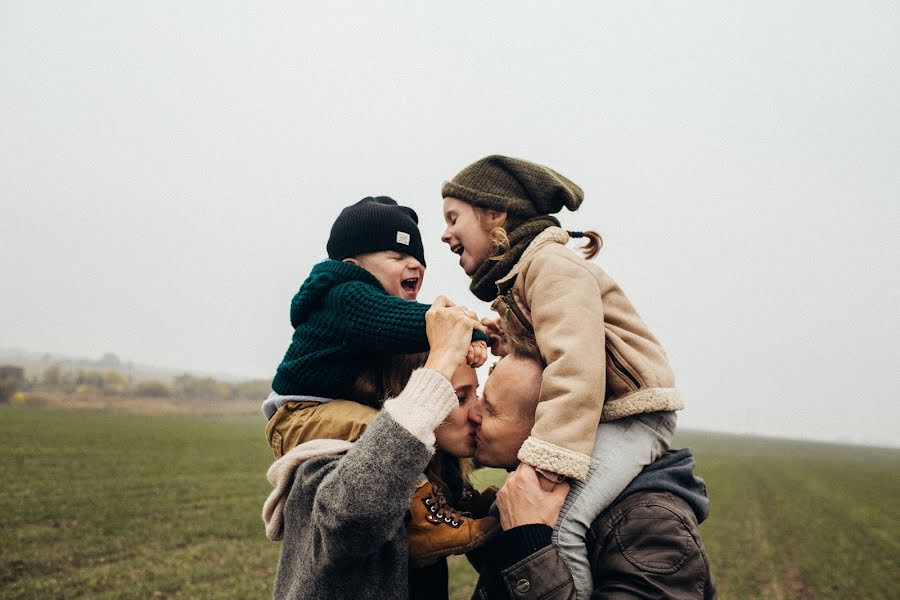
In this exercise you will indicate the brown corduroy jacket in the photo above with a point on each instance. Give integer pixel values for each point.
(602, 361)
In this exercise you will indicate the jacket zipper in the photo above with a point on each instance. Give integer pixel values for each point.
(511, 304)
(621, 368)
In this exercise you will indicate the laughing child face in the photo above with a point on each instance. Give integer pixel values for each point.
(468, 234)
(399, 274)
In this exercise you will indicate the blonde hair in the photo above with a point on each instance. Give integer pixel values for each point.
(500, 238)
(593, 245)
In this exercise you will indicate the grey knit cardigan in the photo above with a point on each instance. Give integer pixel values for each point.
(344, 535)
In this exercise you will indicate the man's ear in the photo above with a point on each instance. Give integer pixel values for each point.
(351, 260)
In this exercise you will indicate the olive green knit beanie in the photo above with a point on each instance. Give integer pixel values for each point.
(515, 186)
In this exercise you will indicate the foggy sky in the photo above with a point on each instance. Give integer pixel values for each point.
(169, 172)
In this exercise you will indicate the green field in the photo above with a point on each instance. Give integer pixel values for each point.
(98, 505)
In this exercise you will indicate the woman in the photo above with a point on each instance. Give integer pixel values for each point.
(343, 515)
(448, 471)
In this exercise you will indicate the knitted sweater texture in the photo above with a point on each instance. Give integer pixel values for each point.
(344, 532)
(343, 320)
(344, 535)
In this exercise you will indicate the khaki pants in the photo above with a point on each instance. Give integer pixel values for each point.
(298, 422)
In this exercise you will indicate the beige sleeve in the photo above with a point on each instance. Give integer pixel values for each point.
(423, 404)
(567, 313)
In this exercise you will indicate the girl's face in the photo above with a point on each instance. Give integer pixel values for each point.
(456, 435)
(466, 235)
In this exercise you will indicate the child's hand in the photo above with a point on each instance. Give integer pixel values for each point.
(477, 354)
(548, 479)
(497, 336)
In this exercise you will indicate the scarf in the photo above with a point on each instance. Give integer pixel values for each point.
(281, 476)
(484, 280)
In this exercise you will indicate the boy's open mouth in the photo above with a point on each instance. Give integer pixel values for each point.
(457, 249)
(410, 284)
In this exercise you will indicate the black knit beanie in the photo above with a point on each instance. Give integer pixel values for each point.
(515, 186)
(375, 224)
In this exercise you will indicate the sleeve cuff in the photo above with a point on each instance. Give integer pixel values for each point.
(424, 403)
(478, 336)
(517, 544)
(542, 454)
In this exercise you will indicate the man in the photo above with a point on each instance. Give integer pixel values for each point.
(645, 545)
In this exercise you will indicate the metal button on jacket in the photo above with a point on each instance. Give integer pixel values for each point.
(523, 585)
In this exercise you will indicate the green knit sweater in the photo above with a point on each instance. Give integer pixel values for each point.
(343, 319)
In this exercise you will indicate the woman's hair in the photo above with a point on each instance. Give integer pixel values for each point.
(385, 378)
(449, 475)
(500, 237)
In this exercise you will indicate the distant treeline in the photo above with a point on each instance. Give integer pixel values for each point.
(114, 382)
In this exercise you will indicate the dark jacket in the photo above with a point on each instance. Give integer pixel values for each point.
(647, 544)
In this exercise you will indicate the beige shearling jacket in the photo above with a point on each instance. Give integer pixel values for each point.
(602, 362)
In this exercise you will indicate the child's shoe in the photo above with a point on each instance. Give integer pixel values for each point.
(435, 529)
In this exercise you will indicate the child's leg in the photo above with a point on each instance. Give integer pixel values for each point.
(301, 421)
(621, 450)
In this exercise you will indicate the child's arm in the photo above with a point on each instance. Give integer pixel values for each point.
(567, 314)
(381, 322)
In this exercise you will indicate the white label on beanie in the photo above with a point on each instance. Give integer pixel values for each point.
(403, 238)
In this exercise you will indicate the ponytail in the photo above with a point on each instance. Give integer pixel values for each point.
(593, 245)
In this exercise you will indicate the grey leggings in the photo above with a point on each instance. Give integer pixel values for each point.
(622, 448)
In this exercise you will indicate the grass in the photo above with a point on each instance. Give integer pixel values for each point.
(94, 401)
(102, 505)
(800, 520)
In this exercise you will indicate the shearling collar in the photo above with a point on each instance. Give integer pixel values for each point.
(551, 235)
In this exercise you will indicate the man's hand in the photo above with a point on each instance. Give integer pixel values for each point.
(477, 354)
(521, 500)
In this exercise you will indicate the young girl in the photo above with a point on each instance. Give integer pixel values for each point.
(602, 364)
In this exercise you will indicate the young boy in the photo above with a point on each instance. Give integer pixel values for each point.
(352, 316)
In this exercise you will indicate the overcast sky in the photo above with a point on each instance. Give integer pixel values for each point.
(169, 172)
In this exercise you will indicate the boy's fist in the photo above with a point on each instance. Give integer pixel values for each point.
(495, 332)
(477, 354)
